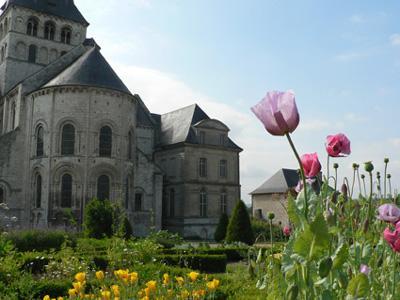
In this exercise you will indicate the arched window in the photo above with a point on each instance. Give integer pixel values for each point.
(13, 115)
(66, 190)
(32, 53)
(172, 203)
(129, 145)
(32, 27)
(49, 30)
(203, 204)
(138, 201)
(103, 187)
(66, 35)
(39, 141)
(38, 191)
(105, 141)
(2, 195)
(68, 140)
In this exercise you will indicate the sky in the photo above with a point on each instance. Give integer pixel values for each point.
(341, 58)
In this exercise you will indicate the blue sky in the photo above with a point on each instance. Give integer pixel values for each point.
(342, 59)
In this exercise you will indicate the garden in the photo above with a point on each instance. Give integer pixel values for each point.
(339, 245)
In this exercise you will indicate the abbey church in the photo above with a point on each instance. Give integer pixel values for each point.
(71, 131)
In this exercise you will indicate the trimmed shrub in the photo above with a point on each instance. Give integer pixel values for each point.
(53, 288)
(165, 238)
(40, 240)
(34, 262)
(126, 230)
(232, 254)
(261, 231)
(239, 228)
(99, 219)
(202, 262)
(220, 232)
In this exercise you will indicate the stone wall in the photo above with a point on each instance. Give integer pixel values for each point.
(271, 203)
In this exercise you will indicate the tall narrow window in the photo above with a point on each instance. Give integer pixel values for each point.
(126, 193)
(222, 168)
(222, 139)
(105, 141)
(203, 204)
(13, 115)
(202, 137)
(49, 31)
(203, 167)
(32, 27)
(68, 140)
(39, 141)
(38, 192)
(129, 145)
(66, 191)
(66, 35)
(138, 201)
(223, 203)
(172, 203)
(32, 53)
(2, 195)
(103, 187)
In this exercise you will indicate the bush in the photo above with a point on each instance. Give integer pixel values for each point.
(100, 263)
(39, 240)
(98, 220)
(165, 238)
(34, 262)
(126, 229)
(239, 228)
(232, 254)
(261, 230)
(220, 232)
(202, 262)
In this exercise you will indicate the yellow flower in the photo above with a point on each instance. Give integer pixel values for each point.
(47, 297)
(166, 279)
(193, 276)
(170, 292)
(100, 275)
(72, 292)
(213, 285)
(145, 298)
(152, 285)
(180, 280)
(105, 295)
(78, 286)
(147, 291)
(115, 289)
(278, 256)
(60, 298)
(134, 277)
(81, 276)
(198, 294)
(185, 294)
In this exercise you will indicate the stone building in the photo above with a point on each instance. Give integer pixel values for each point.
(70, 130)
(271, 196)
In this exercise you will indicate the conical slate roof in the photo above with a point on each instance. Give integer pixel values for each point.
(91, 69)
(61, 8)
(280, 182)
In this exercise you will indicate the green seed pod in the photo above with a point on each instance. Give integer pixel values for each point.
(368, 166)
(389, 176)
(271, 216)
(362, 176)
(386, 160)
(325, 267)
(335, 165)
(355, 166)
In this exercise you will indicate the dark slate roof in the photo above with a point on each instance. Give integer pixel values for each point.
(61, 8)
(177, 126)
(280, 182)
(91, 69)
(143, 115)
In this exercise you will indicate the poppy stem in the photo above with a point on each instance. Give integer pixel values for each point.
(302, 175)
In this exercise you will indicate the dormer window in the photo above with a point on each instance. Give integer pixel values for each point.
(32, 26)
(66, 35)
(49, 31)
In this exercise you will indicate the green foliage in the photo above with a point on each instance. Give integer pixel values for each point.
(40, 240)
(220, 232)
(34, 262)
(232, 254)
(125, 229)
(261, 230)
(358, 286)
(166, 238)
(201, 262)
(239, 228)
(99, 219)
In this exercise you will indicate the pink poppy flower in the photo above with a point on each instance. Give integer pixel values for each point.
(311, 165)
(389, 213)
(337, 145)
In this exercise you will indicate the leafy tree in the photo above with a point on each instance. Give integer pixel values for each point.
(98, 219)
(239, 228)
(220, 232)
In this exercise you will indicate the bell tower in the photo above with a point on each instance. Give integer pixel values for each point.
(35, 33)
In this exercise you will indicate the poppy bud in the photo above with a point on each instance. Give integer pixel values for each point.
(368, 166)
(386, 160)
(344, 191)
(389, 176)
(355, 166)
(378, 175)
(335, 165)
(271, 216)
(362, 176)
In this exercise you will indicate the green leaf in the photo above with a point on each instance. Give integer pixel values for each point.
(341, 255)
(327, 295)
(325, 267)
(313, 242)
(293, 212)
(358, 286)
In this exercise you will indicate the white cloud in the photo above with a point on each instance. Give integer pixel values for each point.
(313, 125)
(395, 39)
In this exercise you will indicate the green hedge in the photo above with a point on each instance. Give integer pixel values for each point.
(232, 254)
(34, 262)
(202, 262)
(40, 240)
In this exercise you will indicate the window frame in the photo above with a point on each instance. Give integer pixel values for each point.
(68, 142)
(38, 191)
(203, 204)
(65, 35)
(138, 204)
(49, 30)
(103, 193)
(203, 167)
(66, 190)
(39, 141)
(223, 202)
(223, 168)
(32, 27)
(105, 141)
